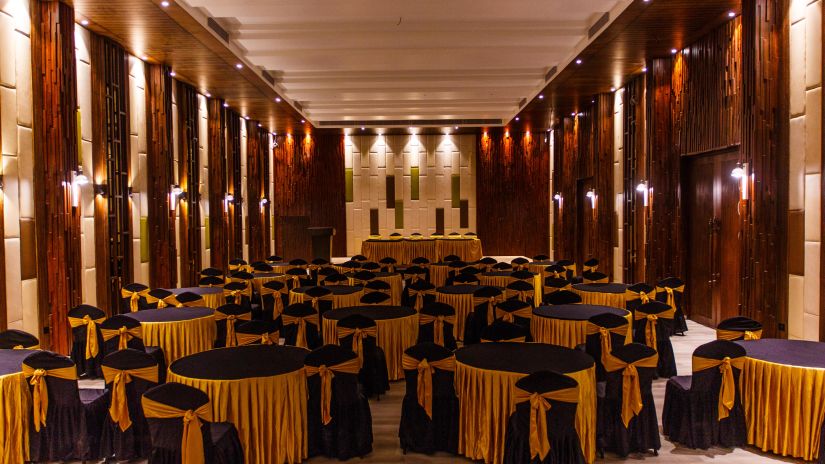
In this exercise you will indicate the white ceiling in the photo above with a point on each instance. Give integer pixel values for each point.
(408, 59)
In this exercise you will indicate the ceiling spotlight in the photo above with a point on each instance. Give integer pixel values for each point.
(731, 14)
(578, 61)
(207, 95)
(738, 172)
(238, 66)
(260, 125)
(172, 73)
(84, 22)
(456, 127)
(517, 118)
(363, 128)
(277, 99)
(673, 51)
(164, 3)
(541, 97)
(144, 57)
(303, 121)
(573, 114)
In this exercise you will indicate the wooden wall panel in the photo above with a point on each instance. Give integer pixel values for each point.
(56, 155)
(635, 171)
(256, 154)
(159, 159)
(234, 178)
(218, 217)
(512, 184)
(603, 155)
(565, 145)
(189, 182)
(309, 181)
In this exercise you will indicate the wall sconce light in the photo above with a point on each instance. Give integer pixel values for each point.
(558, 198)
(644, 190)
(740, 173)
(227, 199)
(101, 189)
(263, 202)
(174, 192)
(78, 180)
(591, 194)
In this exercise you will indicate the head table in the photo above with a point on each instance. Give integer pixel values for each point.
(404, 250)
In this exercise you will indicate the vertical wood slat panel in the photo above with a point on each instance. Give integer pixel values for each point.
(604, 227)
(233, 181)
(159, 159)
(635, 171)
(255, 159)
(189, 181)
(55, 157)
(218, 217)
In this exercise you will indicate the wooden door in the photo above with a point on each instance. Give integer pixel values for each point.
(711, 200)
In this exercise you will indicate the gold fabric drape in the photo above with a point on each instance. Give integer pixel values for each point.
(463, 305)
(301, 322)
(605, 339)
(438, 325)
(469, 250)
(424, 383)
(510, 340)
(134, 298)
(327, 373)
(92, 348)
(486, 403)
(616, 300)
(404, 250)
(338, 301)
(119, 407)
(278, 306)
(645, 297)
(731, 335)
(259, 280)
(191, 444)
(181, 338)
(231, 319)
(671, 294)
(213, 299)
(539, 407)
(491, 306)
(650, 326)
(358, 335)
(566, 332)
(170, 301)
(393, 336)
(439, 274)
(271, 338)
(40, 390)
(727, 391)
(419, 295)
(15, 404)
(270, 413)
(631, 385)
(124, 335)
(509, 316)
(396, 286)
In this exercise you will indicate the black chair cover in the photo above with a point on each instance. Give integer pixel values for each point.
(679, 321)
(541, 258)
(10, 339)
(229, 309)
(631, 305)
(512, 306)
(359, 258)
(86, 367)
(211, 272)
(426, 331)
(374, 377)
(464, 278)
(450, 258)
(500, 331)
(477, 320)
(110, 346)
(158, 294)
(260, 266)
(259, 328)
(211, 281)
(290, 331)
(667, 362)
(375, 298)
(370, 266)
(125, 303)
(740, 324)
(593, 342)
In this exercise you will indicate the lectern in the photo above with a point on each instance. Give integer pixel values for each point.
(321, 241)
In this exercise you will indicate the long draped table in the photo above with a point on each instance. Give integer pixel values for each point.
(178, 332)
(460, 297)
(604, 294)
(15, 407)
(485, 378)
(262, 389)
(404, 250)
(397, 328)
(566, 325)
(782, 387)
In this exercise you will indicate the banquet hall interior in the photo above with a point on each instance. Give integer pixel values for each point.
(521, 232)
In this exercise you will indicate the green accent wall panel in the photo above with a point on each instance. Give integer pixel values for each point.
(414, 182)
(144, 239)
(399, 214)
(348, 181)
(207, 244)
(456, 191)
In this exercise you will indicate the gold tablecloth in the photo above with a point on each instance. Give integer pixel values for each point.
(405, 250)
(486, 403)
(439, 274)
(270, 413)
(15, 414)
(463, 305)
(338, 301)
(566, 332)
(502, 281)
(180, 338)
(394, 336)
(396, 287)
(784, 407)
(469, 250)
(212, 296)
(260, 279)
(616, 300)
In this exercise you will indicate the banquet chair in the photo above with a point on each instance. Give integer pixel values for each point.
(486, 263)
(339, 422)
(557, 271)
(371, 266)
(413, 274)
(361, 333)
(257, 332)
(470, 270)
(361, 278)
(421, 261)
(237, 264)
(520, 263)
(739, 328)
(128, 374)
(13, 339)
(336, 279)
(376, 285)
(211, 281)
(562, 297)
(454, 234)
(359, 258)
(604, 332)
(66, 420)
(375, 299)
(274, 297)
(133, 297)
(351, 264)
(483, 313)
(501, 331)
(516, 312)
(594, 277)
(261, 266)
(160, 298)
(190, 299)
(541, 258)
(464, 278)
(226, 317)
(627, 420)
(569, 268)
(170, 409)
(320, 298)
(455, 268)
(502, 267)
(591, 265)
(238, 293)
(704, 409)
(317, 265)
(652, 326)
(298, 277)
(241, 276)
(388, 264)
(86, 339)
(120, 332)
(553, 284)
(322, 274)
(300, 326)
(522, 290)
(272, 259)
(429, 411)
(470, 234)
(671, 291)
(211, 272)
(418, 294)
(545, 408)
(299, 263)
(638, 294)
(435, 325)
(451, 258)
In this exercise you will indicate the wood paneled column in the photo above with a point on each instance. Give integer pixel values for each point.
(218, 206)
(255, 171)
(54, 87)
(234, 177)
(189, 181)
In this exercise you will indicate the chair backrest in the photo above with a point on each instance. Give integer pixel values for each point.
(211, 272)
(276, 285)
(520, 261)
(438, 309)
(299, 310)
(387, 260)
(594, 277)
(522, 274)
(317, 292)
(327, 271)
(545, 381)
(356, 321)
(359, 258)
(541, 258)
(378, 285)
(502, 266)
(450, 258)
(591, 264)
(336, 279)
(428, 351)
(468, 279)
(62, 391)
(167, 433)
(130, 359)
(260, 266)
(241, 275)
(487, 291)
(258, 332)
(83, 310)
(470, 270)
(421, 261)
(329, 355)
(653, 307)
(562, 297)
(211, 281)
(12, 338)
(375, 298)
(707, 376)
(371, 266)
(739, 328)
(190, 299)
(500, 331)
(232, 309)
(319, 262)
(298, 262)
(110, 330)
(487, 260)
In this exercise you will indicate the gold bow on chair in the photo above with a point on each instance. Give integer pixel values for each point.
(727, 391)
(671, 294)
(510, 316)
(652, 321)
(327, 373)
(358, 336)
(235, 294)
(168, 301)
(301, 321)
(491, 302)
(40, 390)
(539, 406)
(419, 297)
(91, 333)
(21, 347)
(424, 388)
(438, 325)
(119, 408)
(313, 300)
(191, 444)
(731, 335)
(605, 340)
(134, 298)
(278, 307)
(630, 295)
(125, 334)
(271, 338)
(231, 340)
(524, 295)
(587, 268)
(631, 386)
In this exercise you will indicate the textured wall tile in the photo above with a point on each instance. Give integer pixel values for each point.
(89, 287)
(348, 181)
(796, 242)
(797, 68)
(31, 319)
(399, 215)
(11, 207)
(812, 259)
(14, 297)
(813, 131)
(813, 211)
(813, 48)
(25, 163)
(796, 174)
(810, 327)
(8, 120)
(7, 60)
(24, 79)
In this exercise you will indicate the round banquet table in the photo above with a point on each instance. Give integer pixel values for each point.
(392, 278)
(15, 407)
(260, 278)
(281, 268)
(261, 389)
(502, 278)
(212, 296)
(342, 295)
(178, 332)
(397, 328)
(485, 377)
(538, 267)
(566, 325)
(783, 394)
(460, 297)
(439, 273)
(605, 294)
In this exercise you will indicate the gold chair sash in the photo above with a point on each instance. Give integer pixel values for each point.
(40, 390)
(630, 295)
(134, 298)
(119, 408)
(191, 444)
(271, 338)
(539, 406)
(671, 291)
(419, 297)
(509, 340)
(358, 336)
(278, 307)
(586, 268)
(438, 325)
(169, 301)
(523, 295)
(631, 386)
(424, 388)
(235, 294)
(491, 303)
(731, 335)
(301, 336)
(21, 347)
(313, 300)
(124, 335)
(652, 321)
(327, 373)
(727, 391)
(509, 316)
(92, 347)
(231, 339)
(571, 268)
(605, 339)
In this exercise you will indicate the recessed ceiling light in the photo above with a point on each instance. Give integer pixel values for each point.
(517, 118)
(573, 114)
(456, 127)
(207, 95)
(238, 65)
(578, 61)
(731, 14)
(673, 51)
(541, 97)
(164, 3)
(260, 125)
(303, 121)
(144, 57)
(363, 128)
(277, 99)
(172, 73)
(84, 22)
